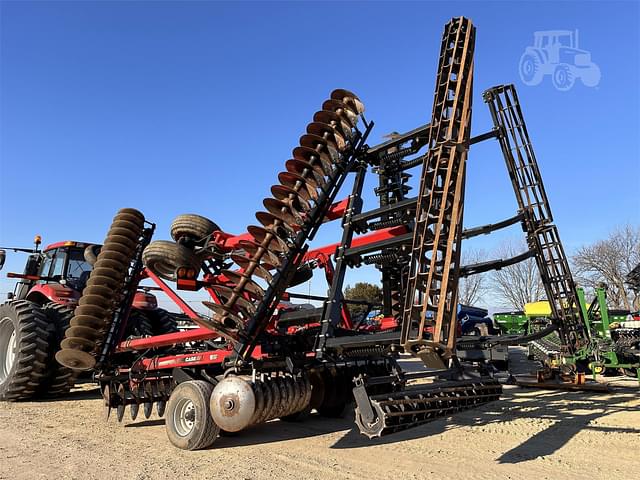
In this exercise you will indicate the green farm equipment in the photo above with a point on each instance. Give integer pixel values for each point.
(511, 323)
(612, 346)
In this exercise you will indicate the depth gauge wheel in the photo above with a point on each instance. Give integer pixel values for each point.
(188, 418)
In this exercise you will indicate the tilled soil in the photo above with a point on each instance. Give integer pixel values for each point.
(528, 434)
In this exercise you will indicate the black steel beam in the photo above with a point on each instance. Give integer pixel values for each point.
(475, 268)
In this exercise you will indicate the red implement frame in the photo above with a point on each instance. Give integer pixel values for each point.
(227, 242)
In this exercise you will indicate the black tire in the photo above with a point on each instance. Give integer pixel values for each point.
(302, 275)
(161, 321)
(163, 257)
(60, 379)
(185, 431)
(23, 330)
(299, 416)
(138, 325)
(194, 228)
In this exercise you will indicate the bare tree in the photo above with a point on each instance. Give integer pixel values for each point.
(609, 261)
(516, 285)
(472, 289)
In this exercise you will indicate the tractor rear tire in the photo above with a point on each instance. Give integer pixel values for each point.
(59, 379)
(148, 323)
(193, 227)
(163, 257)
(138, 325)
(188, 418)
(24, 349)
(162, 322)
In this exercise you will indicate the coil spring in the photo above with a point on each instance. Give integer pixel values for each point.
(397, 155)
(412, 163)
(393, 222)
(381, 258)
(365, 351)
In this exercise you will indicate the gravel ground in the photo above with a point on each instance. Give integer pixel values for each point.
(527, 434)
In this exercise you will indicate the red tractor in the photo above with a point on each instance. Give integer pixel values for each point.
(37, 313)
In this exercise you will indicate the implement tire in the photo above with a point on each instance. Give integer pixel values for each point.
(188, 419)
(24, 349)
(193, 227)
(163, 257)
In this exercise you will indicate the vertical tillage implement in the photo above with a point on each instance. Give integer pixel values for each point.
(259, 357)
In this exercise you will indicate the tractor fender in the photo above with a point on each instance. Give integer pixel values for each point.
(53, 292)
(145, 301)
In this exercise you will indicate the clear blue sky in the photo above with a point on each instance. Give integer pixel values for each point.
(177, 107)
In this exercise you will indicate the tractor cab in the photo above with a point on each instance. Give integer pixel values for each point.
(59, 273)
(63, 271)
(65, 263)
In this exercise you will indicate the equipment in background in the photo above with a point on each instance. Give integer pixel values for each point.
(511, 323)
(615, 346)
(475, 322)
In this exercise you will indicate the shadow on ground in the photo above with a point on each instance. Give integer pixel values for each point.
(570, 413)
(85, 393)
(567, 412)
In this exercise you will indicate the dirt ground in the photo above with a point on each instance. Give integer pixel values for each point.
(527, 434)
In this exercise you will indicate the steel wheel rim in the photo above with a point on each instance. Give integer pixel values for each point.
(184, 417)
(8, 344)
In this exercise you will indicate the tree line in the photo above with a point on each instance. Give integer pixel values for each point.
(606, 262)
